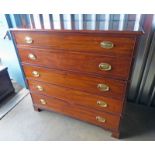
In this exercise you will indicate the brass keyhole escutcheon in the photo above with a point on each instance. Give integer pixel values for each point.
(35, 74)
(28, 40)
(32, 56)
(102, 104)
(107, 44)
(42, 101)
(103, 87)
(40, 88)
(105, 66)
(100, 119)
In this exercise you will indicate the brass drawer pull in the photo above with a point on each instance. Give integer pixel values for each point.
(105, 66)
(42, 101)
(107, 44)
(40, 88)
(35, 74)
(32, 56)
(102, 104)
(100, 119)
(28, 40)
(103, 87)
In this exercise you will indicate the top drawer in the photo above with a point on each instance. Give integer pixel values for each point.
(101, 43)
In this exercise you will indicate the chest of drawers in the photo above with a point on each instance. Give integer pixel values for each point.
(82, 74)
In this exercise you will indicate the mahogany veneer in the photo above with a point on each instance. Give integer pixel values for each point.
(80, 62)
(80, 82)
(77, 97)
(86, 114)
(79, 41)
(82, 74)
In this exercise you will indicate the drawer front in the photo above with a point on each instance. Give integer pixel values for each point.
(86, 63)
(99, 118)
(76, 97)
(121, 45)
(90, 84)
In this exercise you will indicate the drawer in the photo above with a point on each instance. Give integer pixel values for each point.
(90, 84)
(99, 118)
(86, 63)
(77, 97)
(121, 45)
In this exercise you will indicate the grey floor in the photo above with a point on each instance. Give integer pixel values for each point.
(23, 123)
(12, 99)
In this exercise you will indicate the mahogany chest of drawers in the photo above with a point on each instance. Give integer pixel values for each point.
(83, 74)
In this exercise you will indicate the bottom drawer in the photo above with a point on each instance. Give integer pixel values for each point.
(102, 119)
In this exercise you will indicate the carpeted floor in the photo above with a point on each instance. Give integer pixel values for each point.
(23, 123)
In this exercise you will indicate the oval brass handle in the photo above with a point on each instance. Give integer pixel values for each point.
(100, 119)
(35, 74)
(40, 88)
(32, 56)
(105, 66)
(107, 44)
(42, 101)
(102, 104)
(28, 40)
(103, 87)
